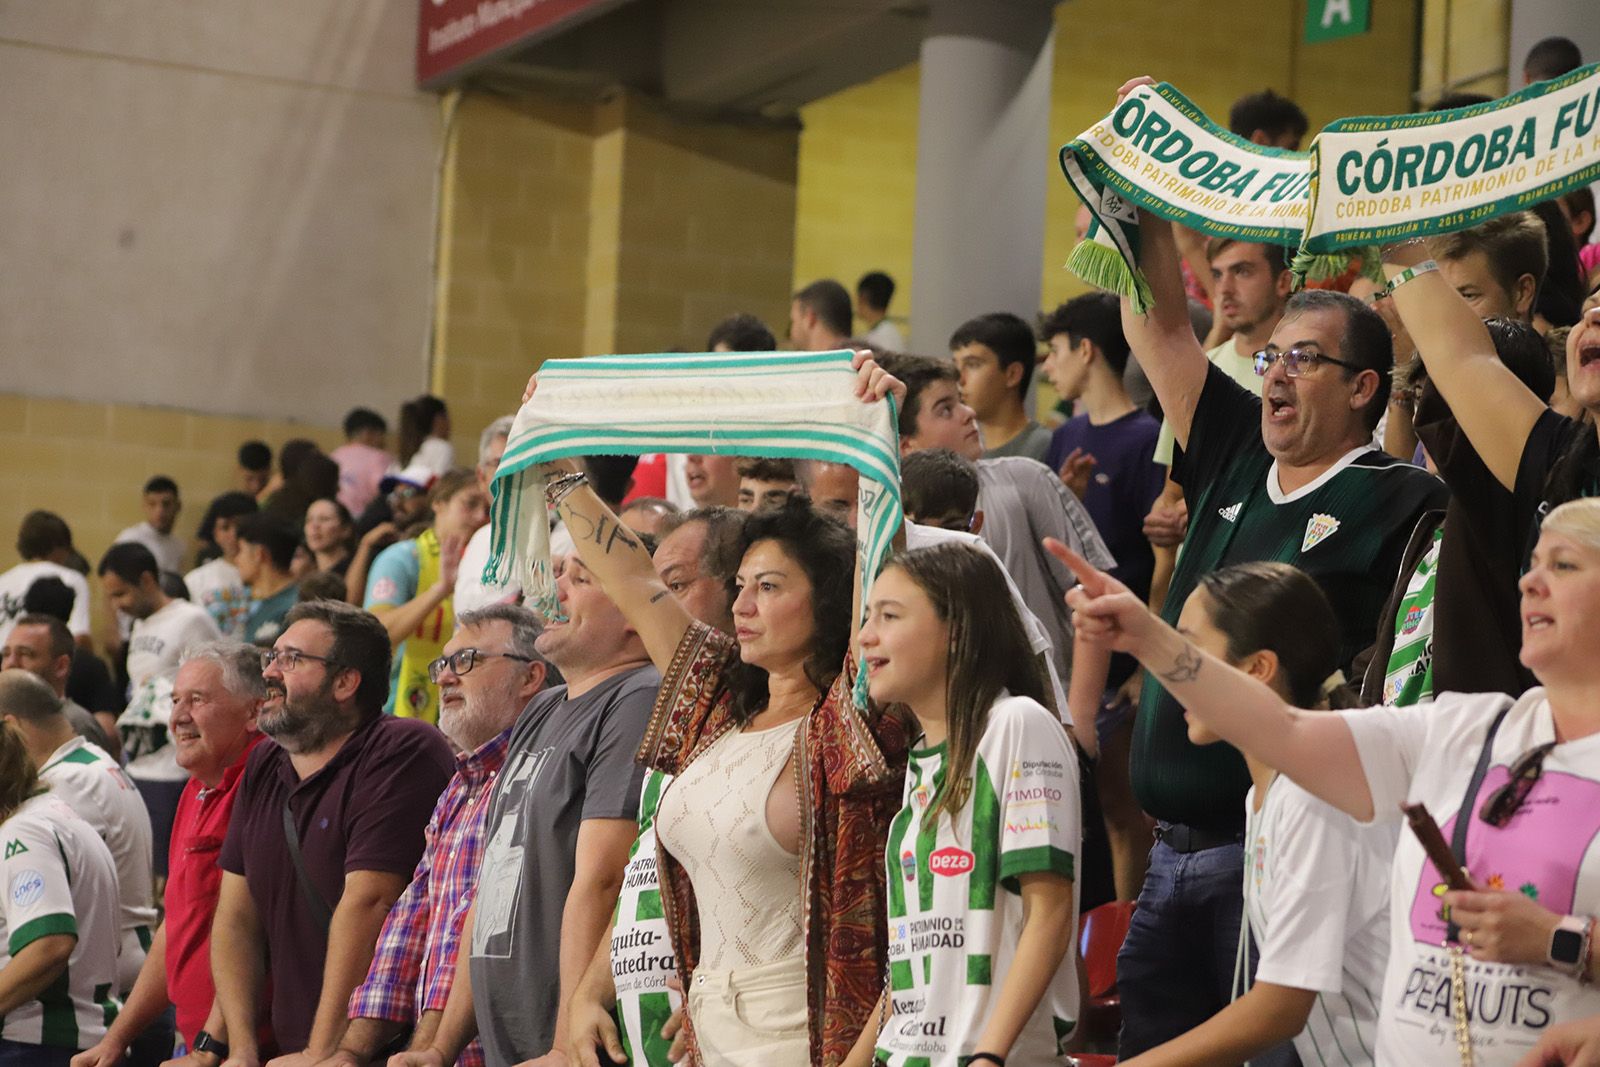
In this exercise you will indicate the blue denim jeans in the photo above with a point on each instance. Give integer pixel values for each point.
(1176, 966)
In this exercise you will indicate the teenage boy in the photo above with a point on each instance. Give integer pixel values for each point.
(994, 355)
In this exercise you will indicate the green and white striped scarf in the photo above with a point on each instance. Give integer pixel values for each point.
(773, 404)
(1366, 181)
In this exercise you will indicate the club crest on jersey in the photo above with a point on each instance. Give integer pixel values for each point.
(908, 865)
(951, 862)
(1319, 529)
(1412, 621)
(1231, 512)
(919, 796)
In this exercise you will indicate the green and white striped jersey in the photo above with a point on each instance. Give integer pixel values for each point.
(1408, 678)
(59, 878)
(641, 949)
(955, 904)
(92, 784)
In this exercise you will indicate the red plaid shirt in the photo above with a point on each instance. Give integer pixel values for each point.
(414, 963)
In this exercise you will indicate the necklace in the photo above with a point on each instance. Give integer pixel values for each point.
(1458, 1003)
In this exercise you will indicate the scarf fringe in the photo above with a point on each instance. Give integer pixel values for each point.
(1103, 267)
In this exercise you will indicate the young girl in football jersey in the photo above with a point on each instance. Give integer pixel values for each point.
(980, 858)
(1316, 883)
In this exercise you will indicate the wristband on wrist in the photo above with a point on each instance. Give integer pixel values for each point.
(1409, 273)
(987, 1057)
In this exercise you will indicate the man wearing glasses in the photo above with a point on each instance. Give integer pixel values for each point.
(556, 838)
(326, 830)
(487, 674)
(1291, 477)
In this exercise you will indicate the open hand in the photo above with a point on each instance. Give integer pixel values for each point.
(592, 1028)
(1075, 471)
(451, 549)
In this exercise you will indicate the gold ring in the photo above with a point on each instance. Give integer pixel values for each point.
(1466, 938)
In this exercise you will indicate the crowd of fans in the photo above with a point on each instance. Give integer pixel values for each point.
(322, 793)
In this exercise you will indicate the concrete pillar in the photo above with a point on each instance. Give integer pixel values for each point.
(983, 160)
(1534, 20)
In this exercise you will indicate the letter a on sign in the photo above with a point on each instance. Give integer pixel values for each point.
(1327, 20)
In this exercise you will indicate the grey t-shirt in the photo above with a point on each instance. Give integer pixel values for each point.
(1023, 502)
(568, 760)
(1033, 442)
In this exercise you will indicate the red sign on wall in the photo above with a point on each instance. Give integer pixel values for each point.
(456, 34)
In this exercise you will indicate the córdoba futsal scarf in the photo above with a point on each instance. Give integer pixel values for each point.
(788, 404)
(1366, 181)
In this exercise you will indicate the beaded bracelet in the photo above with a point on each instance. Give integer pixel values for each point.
(560, 488)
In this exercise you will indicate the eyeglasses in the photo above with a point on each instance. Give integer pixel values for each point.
(1504, 802)
(289, 659)
(462, 662)
(1296, 360)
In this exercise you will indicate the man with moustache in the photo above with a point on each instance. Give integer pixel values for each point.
(488, 672)
(1293, 478)
(560, 826)
(327, 829)
(216, 698)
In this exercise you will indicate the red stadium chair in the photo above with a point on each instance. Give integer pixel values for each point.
(1100, 937)
(1090, 1059)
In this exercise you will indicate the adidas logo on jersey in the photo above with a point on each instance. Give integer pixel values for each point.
(1231, 512)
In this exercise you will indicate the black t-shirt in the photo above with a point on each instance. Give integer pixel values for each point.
(89, 683)
(1477, 632)
(1554, 438)
(1347, 529)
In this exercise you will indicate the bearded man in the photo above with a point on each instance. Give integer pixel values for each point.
(325, 833)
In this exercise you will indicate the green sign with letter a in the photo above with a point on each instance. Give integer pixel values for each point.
(1328, 20)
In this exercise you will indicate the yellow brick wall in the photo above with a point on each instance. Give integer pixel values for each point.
(856, 201)
(858, 147)
(513, 242)
(569, 230)
(690, 223)
(1463, 38)
(87, 462)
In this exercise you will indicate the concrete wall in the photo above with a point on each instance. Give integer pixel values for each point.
(202, 199)
(217, 225)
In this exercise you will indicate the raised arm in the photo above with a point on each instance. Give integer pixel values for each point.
(1163, 340)
(619, 560)
(1316, 749)
(1494, 408)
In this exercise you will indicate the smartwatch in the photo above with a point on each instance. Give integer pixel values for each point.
(1569, 945)
(204, 1042)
